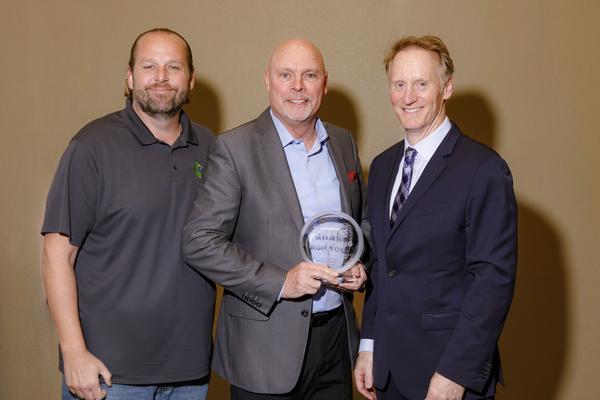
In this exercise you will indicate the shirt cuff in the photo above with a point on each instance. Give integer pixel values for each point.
(366, 345)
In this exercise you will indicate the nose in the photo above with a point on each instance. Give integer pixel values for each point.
(162, 75)
(298, 83)
(409, 95)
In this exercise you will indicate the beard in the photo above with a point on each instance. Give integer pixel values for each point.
(163, 105)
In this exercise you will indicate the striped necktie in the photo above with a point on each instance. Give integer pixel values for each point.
(404, 189)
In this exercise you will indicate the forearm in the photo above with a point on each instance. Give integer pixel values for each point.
(236, 270)
(58, 259)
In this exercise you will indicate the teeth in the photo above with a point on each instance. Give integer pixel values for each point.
(297, 101)
(411, 110)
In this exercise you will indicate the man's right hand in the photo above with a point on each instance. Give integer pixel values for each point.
(306, 279)
(82, 371)
(363, 375)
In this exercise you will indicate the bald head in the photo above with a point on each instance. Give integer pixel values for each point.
(296, 80)
(297, 46)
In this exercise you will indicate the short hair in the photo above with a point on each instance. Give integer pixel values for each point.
(188, 51)
(429, 43)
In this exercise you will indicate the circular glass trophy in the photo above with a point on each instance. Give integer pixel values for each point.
(332, 238)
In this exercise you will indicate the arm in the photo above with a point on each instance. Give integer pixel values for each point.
(81, 368)
(363, 371)
(491, 255)
(209, 248)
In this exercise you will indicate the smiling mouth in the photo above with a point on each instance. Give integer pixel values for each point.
(412, 110)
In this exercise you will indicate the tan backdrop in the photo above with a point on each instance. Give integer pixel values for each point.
(527, 83)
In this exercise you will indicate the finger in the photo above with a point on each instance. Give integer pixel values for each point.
(106, 375)
(321, 277)
(369, 381)
(349, 276)
(96, 392)
(369, 394)
(89, 394)
(358, 272)
(350, 285)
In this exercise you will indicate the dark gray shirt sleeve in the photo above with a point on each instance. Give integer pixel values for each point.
(71, 203)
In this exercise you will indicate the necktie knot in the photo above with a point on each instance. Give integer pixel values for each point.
(409, 156)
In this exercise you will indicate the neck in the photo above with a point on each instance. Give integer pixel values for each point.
(164, 129)
(414, 137)
(304, 131)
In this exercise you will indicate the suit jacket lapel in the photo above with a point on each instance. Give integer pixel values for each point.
(434, 168)
(278, 168)
(336, 154)
(389, 178)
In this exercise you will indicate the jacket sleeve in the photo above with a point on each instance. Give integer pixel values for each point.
(491, 256)
(208, 232)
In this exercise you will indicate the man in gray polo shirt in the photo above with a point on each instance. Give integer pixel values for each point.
(133, 320)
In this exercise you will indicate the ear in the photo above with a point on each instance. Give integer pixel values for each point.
(267, 80)
(129, 78)
(192, 80)
(448, 88)
(325, 83)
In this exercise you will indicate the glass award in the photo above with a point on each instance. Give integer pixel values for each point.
(332, 238)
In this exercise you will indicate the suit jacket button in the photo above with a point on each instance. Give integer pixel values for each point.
(304, 313)
(391, 273)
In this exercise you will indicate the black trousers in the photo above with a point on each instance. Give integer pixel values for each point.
(326, 372)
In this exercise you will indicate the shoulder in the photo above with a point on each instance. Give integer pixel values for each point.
(479, 156)
(389, 154)
(336, 130)
(100, 130)
(205, 136)
(241, 135)
(341, 134)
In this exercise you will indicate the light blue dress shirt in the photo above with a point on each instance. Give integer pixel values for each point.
(317, 187)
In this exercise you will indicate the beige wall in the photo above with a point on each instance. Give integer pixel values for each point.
(527, 83)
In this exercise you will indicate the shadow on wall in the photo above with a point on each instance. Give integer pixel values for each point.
(533, 343)
(204, 106)
(536, 334)
(339, 109)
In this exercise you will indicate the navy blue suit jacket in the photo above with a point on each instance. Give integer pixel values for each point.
(443, 276)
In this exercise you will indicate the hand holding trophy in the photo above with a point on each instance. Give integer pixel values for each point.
(332, 238)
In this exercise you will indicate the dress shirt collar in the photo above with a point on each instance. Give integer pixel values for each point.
(287, 139)
(426, 147)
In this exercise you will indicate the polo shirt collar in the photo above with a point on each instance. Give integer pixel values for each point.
(143, 134)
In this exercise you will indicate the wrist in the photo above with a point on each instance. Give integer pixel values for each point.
(69, 350)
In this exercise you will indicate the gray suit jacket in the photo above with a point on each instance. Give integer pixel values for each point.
(243, 233)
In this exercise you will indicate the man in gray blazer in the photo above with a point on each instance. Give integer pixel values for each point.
(287, 328)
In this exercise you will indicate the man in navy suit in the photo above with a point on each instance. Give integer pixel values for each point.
(444, 231)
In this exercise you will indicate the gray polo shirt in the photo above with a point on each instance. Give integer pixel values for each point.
(122, 196)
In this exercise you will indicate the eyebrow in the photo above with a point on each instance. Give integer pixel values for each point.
(171, 61)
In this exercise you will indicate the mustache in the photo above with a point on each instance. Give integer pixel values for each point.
(159, 86)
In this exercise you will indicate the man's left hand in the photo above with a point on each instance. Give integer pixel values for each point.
(354, 278)
(442, 388)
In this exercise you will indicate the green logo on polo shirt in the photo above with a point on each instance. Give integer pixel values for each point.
(198, 169)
